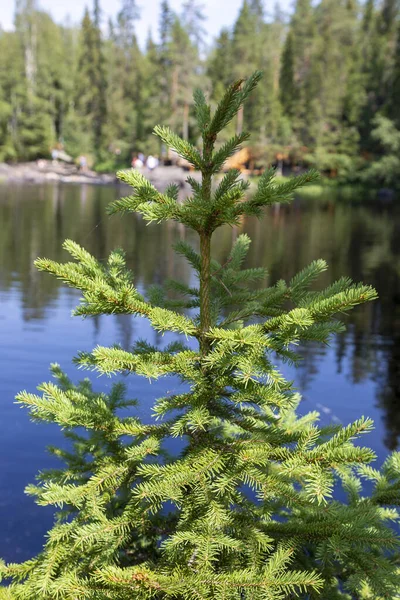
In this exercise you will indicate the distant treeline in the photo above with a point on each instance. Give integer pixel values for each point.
(330, 96)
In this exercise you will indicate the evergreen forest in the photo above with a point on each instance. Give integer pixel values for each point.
(328, 98)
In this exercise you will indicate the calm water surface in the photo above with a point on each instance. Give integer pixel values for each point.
(358, 374)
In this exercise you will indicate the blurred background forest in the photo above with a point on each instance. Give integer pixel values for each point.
(329, 97)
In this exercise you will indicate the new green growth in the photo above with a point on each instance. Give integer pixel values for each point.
(246, 510)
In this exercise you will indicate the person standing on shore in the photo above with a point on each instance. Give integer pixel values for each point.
(137, 162)
(82, 163)
(152, 162)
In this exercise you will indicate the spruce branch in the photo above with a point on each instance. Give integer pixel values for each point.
(203, 112)
(233, 99)
(227, 150)
(183, 148)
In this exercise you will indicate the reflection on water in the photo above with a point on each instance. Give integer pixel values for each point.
(358, 374)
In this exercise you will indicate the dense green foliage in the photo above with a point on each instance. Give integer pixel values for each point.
(329, 73)
(246, 508)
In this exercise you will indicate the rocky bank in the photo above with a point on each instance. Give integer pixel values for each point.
(47, 171)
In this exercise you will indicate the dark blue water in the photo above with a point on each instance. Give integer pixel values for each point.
(358, 374)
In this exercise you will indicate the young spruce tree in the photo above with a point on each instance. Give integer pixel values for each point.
(247, 509)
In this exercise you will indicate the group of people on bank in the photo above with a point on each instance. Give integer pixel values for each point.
(139, 161)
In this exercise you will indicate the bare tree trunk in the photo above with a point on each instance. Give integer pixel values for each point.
(26, 26)
(174, 92)
(30, 60)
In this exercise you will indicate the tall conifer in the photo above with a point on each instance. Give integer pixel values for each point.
(125, 89)
(91, 80)
(287, 82)
(193, 19)
(394, 86)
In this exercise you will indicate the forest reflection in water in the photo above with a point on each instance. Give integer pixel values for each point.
(358, 374)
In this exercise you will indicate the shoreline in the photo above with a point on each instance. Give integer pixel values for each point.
(47, 171)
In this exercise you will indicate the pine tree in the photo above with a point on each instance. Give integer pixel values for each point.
(257, 9)
(123, 128)
(26, 26)
(193, 18)
(166, 20)
(270, 123)
(91, 81)
(286, 82)
(256, 44)
(382, 59)
(184, 76)
(368, 16)
(28, 83)
(96, 14)
(12, 93)
(161, 74)
(389, 12)
(394, 90)
(333, 110)
(246, 508)
(245, 51)
(150, 96)
(219, 65)
(303, 29)
(371, 50)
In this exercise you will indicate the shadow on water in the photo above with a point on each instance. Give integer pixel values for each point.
(358, 374)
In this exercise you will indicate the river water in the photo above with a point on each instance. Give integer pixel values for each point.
(359, 374)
